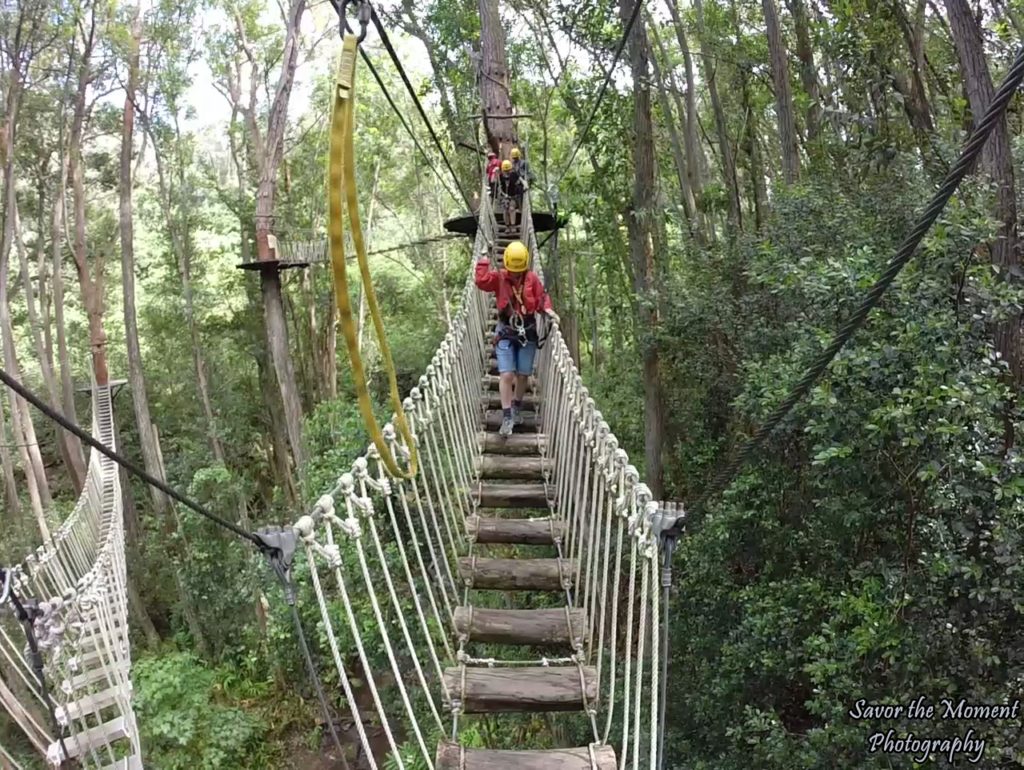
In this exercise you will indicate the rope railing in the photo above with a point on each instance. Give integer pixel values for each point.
(391, 549)
(75, 586)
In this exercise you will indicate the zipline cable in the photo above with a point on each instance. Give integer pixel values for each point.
(405, 124)
(416, 100)
(129, 466)
(971, 150)
(604, 88)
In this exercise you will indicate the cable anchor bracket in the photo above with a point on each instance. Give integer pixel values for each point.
(363, 15)
(279, 544)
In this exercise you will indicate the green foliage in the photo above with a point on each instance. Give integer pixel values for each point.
(184, 719)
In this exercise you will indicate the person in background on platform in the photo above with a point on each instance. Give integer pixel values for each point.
(512, 189)
(493, 166)
(520, 297)
(521, 167)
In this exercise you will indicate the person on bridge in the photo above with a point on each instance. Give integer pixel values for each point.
(493, 166)
(522, 168)
(520, 296)
(512, 191)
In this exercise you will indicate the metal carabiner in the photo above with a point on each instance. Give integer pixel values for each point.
(362, 14)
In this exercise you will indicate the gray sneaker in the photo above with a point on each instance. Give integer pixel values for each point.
(517, 416)
(506, 427)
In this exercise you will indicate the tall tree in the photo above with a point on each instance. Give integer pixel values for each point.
(494, 79)
(639, 224)
(783, 94)
(808, 69)
(695, 160)
(90, 281)
(136, 373)
(998, 161)
(725, 152)
(20, 44)
(682, 172)
(269, 152)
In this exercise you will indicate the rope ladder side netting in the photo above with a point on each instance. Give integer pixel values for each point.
(75, 588)
(393, 545)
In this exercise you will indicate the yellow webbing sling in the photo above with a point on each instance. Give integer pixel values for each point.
(342, 175)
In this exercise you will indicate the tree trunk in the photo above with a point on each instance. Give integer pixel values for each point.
(91, 285)
(641, 242)
(136, 374)
(808, 70)
(997, 158)
(685, 191)
(783, 94)
(721, 127)
(696, 163)
(11, 500)
(751, 142)
(494, 80)
(21, 416)
(67, 389)
(912, 88)
(269, 159)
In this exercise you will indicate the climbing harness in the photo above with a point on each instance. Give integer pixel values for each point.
(342, 179)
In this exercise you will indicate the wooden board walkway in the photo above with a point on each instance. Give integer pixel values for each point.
(512, 508)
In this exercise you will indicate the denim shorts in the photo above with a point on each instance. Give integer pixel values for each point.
(513, 357)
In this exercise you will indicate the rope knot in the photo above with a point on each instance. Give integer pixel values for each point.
(305, 525)
(332, 554)
(351, 527)
(360, 466)
(348, 484)
(364, 504)
(324, 507)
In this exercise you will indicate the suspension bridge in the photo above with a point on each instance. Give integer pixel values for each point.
(508, 576)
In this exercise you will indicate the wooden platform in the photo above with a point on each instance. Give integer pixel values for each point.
(513, 531)
(542, 628)
(516, 444)
(451, 756)
(521, 689)
(495, 494)
(498, 467)
(516, 574)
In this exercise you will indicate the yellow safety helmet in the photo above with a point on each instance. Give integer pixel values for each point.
(506, 165)
(516, 256)
(515, 152)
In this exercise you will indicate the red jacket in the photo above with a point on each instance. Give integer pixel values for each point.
(493, 166)
(535, 299)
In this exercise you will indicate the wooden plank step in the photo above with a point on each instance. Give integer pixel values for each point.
(516, 444)
(452, 756)
(498, 494)
(490, 382)
(516, 574)
(493, 401)
(530, 423)
(498, 467)
(94, 738)
(521, 688)
(513, 531)
(542, 628)
(88, 704)
(93, 676)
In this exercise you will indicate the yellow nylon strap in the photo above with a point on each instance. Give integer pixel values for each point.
(342, 175)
